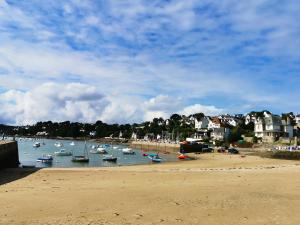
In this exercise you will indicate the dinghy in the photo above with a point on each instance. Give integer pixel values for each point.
(110, 158)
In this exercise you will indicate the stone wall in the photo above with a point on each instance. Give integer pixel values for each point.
(155, 146)
(9, 155)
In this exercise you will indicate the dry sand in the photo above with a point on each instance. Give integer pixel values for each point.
(216, 189)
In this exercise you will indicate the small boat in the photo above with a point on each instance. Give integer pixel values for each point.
(58, 144)
(37, 144)
(72, 143)
(45, 159)
(93, 151)
(82, 158)
(63, 152)
(110, 158)
(128, 151)
(155, 158)
(145, 154)
(94, 146)
(101, 150)
(115, 147)
(182, 156)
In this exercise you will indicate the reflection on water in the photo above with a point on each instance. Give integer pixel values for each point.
(28, 154)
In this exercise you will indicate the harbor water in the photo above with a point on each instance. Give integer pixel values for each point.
(28, 154)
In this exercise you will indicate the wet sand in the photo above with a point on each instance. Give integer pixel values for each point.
(216, 189)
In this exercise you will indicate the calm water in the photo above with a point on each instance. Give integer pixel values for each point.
(28, 154)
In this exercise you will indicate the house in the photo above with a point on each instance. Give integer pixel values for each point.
(220, 134)
(288, 121)
(270, 127)
(92, 133)
(297, 120)
(218, 130)
(250, 118)
(134, 136)
(202, 124)
(214, 122)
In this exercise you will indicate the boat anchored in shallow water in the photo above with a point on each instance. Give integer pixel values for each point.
(128, 151)
(58, 144)
(101, 150)
(110, 158)
(45, 159)
(72, 143)
(63, 152)
(155, 158)
(37, 144)
(82, 158)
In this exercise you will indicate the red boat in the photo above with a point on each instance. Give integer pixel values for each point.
(181, 156)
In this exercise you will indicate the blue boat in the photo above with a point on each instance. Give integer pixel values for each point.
(155, 158)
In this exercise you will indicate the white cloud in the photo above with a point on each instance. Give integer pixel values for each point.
(206, 109)
(84, 103)
(148, 57)
(50, 101)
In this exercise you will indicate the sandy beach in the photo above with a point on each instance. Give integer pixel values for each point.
(215, 189)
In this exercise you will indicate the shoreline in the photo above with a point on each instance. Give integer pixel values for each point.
(215, 189)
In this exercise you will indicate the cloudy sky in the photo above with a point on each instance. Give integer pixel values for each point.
(129, 61)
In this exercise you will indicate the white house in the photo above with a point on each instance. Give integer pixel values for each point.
(214, 122)
(268, 127)
(202, 123)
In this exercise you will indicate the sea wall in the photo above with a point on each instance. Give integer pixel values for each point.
(9, 156)
(155, 146)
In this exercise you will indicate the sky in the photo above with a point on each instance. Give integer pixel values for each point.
(132, 60)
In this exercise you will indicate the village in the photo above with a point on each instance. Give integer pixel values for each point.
(255, 127)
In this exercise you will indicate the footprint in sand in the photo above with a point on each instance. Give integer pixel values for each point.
(138, 216)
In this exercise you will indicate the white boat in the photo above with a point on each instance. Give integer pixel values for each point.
(115, 147)
(63, 152)
(45, 159)
(128, 151)
(101, 150)
(94, 146)
(93, 151)
(58, 144)
(37, 144)
(72, 143)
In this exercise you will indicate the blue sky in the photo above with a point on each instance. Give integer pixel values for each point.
(129, 61)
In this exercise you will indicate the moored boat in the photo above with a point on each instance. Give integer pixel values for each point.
(81, 158)
(63, 152)
(37, 144)
(101, 150)
(182, 156)
(155, 158)
(58, 144)
(110, 158)
(45, 159)
(128, 151)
